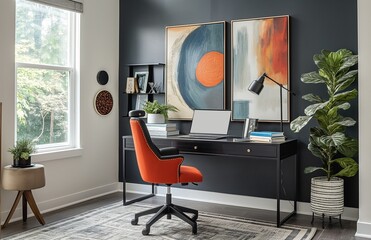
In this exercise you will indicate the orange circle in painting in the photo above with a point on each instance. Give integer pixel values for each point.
(210, 70)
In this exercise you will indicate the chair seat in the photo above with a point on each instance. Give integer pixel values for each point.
(189, 174)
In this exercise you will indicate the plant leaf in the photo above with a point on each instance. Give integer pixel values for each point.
(347, 121)
(346, 80)
(312, 98)
(312, 109)
(338, 138)
(313, 169)
(299, 123)
(349, 148)
(316, 151)
(350, 167)
(349, 61)
(345, 96)
(312, 77)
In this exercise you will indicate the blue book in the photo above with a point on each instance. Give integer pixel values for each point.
(267, 134)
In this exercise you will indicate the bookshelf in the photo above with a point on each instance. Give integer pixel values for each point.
(156, 77)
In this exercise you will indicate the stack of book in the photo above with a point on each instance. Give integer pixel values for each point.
(265, 136)
(162, 129)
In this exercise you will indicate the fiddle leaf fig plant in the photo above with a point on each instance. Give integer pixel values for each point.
(328, 140)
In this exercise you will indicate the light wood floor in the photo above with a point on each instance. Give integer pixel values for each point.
(331, 231)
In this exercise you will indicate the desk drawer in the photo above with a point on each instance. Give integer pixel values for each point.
(198, 147)
(253, 150)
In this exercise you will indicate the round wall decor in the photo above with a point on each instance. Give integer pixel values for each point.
(102, 77)
(103, 102)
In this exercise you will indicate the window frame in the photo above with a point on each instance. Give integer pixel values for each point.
(73, 140)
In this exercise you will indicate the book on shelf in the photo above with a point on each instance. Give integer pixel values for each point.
(267, 139)
(163, 133)
(267, 134)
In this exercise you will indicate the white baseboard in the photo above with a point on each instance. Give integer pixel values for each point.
(234, 200)
(65, 201)
(363, 229)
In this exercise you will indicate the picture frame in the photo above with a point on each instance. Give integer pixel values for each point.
(251, 124)
(195, 68)
(130, 85)
(142, 78)
(260, 45)
(140, 101)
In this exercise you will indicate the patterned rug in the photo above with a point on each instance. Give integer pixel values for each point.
(112, 222)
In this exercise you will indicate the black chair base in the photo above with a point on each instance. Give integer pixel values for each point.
(168, 209)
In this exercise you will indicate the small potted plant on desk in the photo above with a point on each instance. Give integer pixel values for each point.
(22, 153)
(157, 113)
(328, 140)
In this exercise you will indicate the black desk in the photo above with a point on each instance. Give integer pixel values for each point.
(277, 152)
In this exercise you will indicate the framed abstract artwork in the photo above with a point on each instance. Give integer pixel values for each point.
(195, 68)
(260, 46)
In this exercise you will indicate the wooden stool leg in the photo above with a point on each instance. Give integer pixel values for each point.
(32, 203)
(24, 207)
(16, 201)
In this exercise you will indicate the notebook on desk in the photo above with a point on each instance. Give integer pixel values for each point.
(209, 124)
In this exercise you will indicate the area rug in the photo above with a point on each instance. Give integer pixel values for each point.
(113, 222)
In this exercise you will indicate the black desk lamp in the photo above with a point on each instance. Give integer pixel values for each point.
(257, 86)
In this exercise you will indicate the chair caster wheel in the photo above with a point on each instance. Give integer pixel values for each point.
(145, 231)
(134, 221)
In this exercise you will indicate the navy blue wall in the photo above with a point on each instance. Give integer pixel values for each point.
(314, 25)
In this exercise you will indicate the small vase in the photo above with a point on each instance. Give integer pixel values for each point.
(155, 118)
(21, 162)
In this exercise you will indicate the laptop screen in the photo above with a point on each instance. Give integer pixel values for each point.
(210, 121)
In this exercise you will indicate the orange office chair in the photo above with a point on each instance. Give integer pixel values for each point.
(161, 166)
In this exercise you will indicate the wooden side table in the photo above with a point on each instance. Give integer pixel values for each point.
(24, 180)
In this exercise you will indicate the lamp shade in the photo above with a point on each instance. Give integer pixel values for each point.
(256, 86)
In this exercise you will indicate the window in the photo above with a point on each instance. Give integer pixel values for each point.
(46, 76)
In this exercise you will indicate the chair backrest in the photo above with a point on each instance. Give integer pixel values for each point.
(146, 152)
(153, 167)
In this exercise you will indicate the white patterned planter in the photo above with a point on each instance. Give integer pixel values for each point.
(155, 118)
(327, 197)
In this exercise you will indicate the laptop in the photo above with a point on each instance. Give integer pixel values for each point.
(209, 124)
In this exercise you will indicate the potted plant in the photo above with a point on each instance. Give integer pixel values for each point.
(157, 113)
(22, 152)
(327, 139)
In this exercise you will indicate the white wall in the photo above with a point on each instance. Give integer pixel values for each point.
(364, 86)
(95, 172)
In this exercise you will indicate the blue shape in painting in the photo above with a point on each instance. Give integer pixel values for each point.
(199, 42)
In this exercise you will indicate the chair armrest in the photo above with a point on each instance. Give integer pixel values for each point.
(172, 157)
(169, 151)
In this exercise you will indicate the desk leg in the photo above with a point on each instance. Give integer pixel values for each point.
(24, 207)
(279, 178)
(296, 182)
(124, 173)
(16, 201)
(124, 182)
(278, 192)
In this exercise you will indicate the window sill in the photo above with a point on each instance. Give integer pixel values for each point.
(54, 155)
